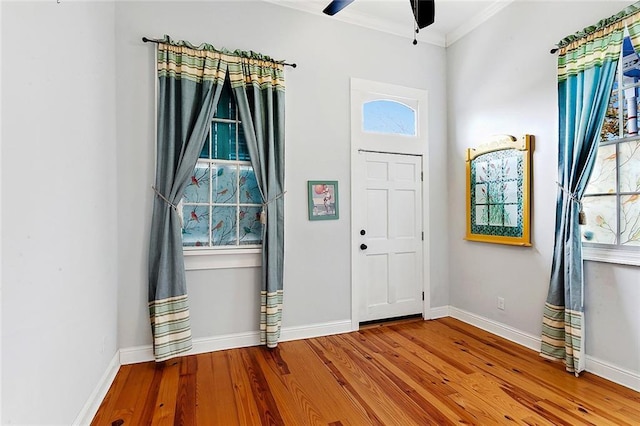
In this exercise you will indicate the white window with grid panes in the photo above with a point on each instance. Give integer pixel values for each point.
(612, 198)
(221, 205)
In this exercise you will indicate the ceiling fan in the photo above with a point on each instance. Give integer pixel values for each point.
(423, 10)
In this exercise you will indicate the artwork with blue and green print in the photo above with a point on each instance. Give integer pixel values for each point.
(496, 193)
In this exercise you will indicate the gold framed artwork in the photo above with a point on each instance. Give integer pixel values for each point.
(499, 191)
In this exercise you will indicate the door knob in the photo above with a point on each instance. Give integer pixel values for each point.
(363, 246)
(362, 232)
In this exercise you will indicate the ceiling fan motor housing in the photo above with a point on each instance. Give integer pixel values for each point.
(424, 12)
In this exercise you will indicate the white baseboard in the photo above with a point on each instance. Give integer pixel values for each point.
(90, 408)
(520, 337)
(611, 372)
(239, 340)
(315, 330)
(144, 353)
(439, 312)
(136, 354)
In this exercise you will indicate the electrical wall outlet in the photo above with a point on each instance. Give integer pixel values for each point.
(501, 303)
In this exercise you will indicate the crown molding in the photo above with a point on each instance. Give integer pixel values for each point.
(379, 24)
(367, 21)
(476, 21)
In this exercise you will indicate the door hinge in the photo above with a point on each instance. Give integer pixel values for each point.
(422, 235)
(423, 295)
(421, 176)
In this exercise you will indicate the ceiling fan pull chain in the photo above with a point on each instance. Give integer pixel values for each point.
(415, 22)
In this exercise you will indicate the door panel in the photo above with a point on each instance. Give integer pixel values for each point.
(377, 224)
(392, 260)
(378, 267)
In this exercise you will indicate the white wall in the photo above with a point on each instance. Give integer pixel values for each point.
(328, 53)
(59, 246)
(502, 79)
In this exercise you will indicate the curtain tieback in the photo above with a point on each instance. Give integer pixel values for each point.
(159, 194)
(263, 213)
(582, 217)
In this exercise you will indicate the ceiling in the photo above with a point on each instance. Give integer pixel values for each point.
(454, 18)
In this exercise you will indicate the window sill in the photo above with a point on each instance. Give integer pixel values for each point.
(196, 260)
(608, 255)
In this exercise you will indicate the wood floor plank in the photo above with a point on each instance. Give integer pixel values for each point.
(248, 413)
(340, 378)
(152, 397)
(388, 389)
(428, 392)
(107, 407)
(436, 389)
(314, 388)
(474, 405)
(571, 400)
(186, 398)
(404, 373)
(367, 388)
(165, 404)
(222, 407)
(205, 390)
(267, 407)
(294, 407)
(129, 407)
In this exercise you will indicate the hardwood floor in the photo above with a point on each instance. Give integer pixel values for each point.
(437, 372)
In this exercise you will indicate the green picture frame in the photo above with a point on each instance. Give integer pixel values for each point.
(323, 199)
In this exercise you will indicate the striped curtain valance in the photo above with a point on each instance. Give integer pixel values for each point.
(184, 63)
(256, 72)
(183, 60)
(598, 43)
(590, 51)
(602, 24)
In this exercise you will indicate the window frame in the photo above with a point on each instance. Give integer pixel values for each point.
(615, 253)
(222, 256)
(398, 103)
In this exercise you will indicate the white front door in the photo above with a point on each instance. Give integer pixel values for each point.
(389, 202)
(391, 236)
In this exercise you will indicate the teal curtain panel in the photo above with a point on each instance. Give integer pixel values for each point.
(190, 82)
(189, 85)
(258, 84)
(586, 71)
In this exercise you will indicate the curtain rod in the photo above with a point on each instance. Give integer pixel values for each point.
(150, 40)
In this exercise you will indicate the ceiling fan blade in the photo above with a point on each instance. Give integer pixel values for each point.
(336, 6)
(424, 12)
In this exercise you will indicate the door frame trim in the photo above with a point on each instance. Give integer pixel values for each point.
(420, 147)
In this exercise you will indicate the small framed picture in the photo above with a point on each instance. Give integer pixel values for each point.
(323, 199)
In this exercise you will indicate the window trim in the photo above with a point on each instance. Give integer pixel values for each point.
(615, 255)
(224, 258)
